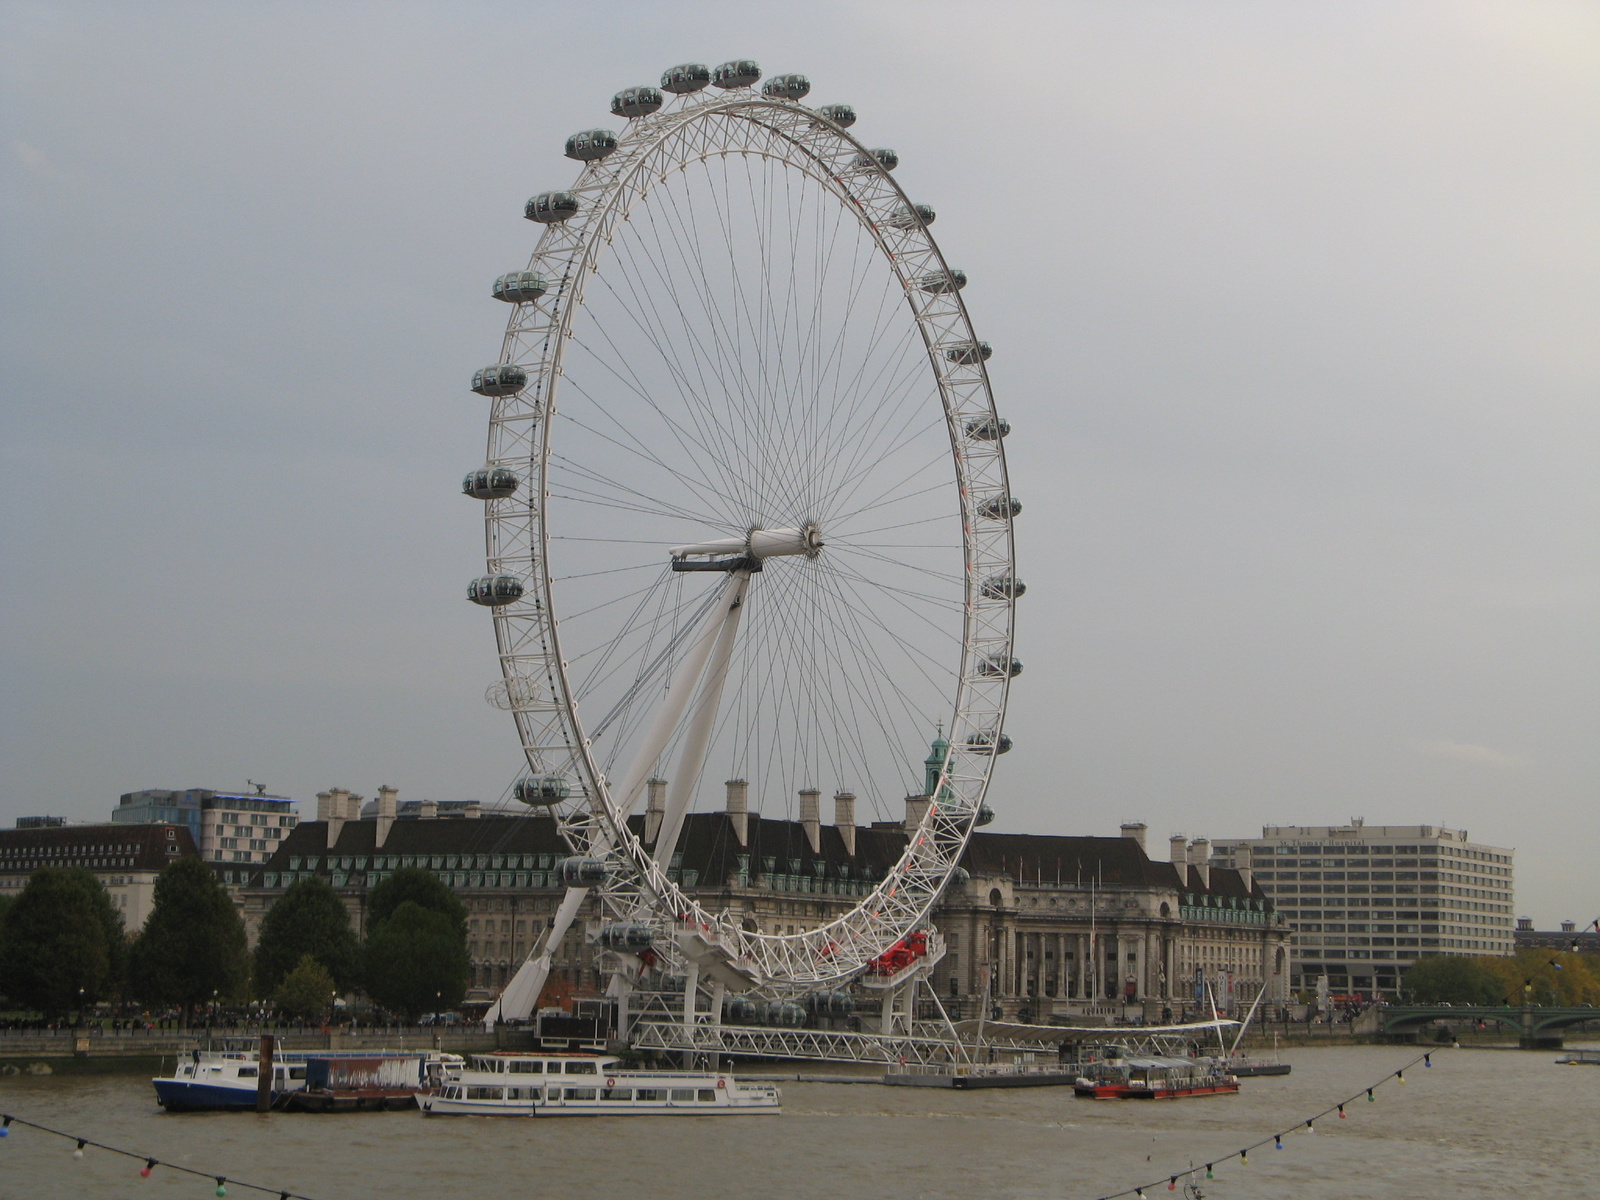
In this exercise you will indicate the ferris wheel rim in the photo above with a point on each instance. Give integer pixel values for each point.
(922, 871)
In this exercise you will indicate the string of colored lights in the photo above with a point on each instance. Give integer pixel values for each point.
(1170, 1182)
(7, 1120)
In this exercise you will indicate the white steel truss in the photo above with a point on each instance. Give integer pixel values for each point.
(537, 688)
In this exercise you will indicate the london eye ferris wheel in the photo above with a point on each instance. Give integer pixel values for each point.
(747, 513)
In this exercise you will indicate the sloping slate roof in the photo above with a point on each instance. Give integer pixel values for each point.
(93, 845)
(1110, 860)
(709, 847)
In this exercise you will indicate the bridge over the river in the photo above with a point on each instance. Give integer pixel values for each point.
(1536, 1026)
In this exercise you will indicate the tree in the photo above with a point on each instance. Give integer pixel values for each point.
(193, 944)
(422, 888)
(1452, 979)
(309, 918)
(416, 961)
(306, 991)
(61, 946)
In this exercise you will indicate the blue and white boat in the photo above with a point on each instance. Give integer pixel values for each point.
(230, 1078)
(224, 1079)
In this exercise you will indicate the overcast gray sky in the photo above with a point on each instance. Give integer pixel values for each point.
(1294, 308)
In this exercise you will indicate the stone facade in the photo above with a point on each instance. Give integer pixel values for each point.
(126, 858)
(1029, 916)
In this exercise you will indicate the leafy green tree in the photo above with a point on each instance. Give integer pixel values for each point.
(309, 918)
(61, 945)
(1452, 979)
(415, 961)
(422, 888)
(306, 991)
(193, 944)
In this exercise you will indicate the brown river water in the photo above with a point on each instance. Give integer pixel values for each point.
(1491, 1123)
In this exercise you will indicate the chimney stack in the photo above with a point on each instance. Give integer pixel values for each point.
(916, 808)
(1241, 864)
(388, 807)
(324, 805)
(655, 808)
(739, 809)
(1180, 852)
(811, 817)
(336, 812)
(472, 810)
(844, 819)
(1134, 830)
(1200, 854)
(427, 810)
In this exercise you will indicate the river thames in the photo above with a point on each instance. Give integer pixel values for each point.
(1478, 1123)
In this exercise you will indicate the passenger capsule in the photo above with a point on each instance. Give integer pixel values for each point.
(969, 354)
(1002, 587)
(909, 217)
(636, 102)
(685, 78)
(787, 87)
(780, 1014)
(502, 379)
(627, 938)
(959, 876)
(985, 743)
(520, 286)
(883, 157)
(938, 282)
(492, 591)
(490, 483)
(541, 790)
(583, 872)
(739, 1010)
(737, 73)
(996, 668)
(841, 115)
(828, 1004)
(590, 145)
(551, 208)
(985, 816)
(988, 428)
(1000, 508)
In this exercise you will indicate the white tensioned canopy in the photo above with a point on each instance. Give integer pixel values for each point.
(761, 470)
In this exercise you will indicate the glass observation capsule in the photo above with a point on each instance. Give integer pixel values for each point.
(517, 287)
(883, 156)
(787, 87)
(985, 743)
(589, 145)
(501, 379)
(636, 102)
(842, 115)
(490, 483)
(739, 1010)
(1002, 587)
(781, 1014)
(582, 872)
(542, 789)
(551, 208)
(937, 282)
(988, 429)
(627, 938)
(492, 591)
(969, 354)
(959, 876)
(1000, 508)
(909, 217)
(985, 815)
(685, 78)
(737, 73)
(828, 1004)
(995, 668)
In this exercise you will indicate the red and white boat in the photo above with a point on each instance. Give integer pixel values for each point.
(1142, 1077)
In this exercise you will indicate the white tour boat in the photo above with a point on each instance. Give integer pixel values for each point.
(507, 1084)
